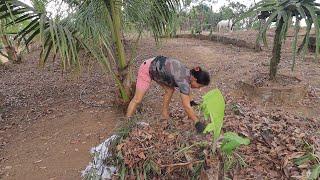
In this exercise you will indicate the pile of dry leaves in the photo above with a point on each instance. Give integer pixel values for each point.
(157, 151)
(282, 147)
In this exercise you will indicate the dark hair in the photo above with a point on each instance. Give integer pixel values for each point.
(201, 76)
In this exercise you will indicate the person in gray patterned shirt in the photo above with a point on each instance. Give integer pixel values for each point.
(169, 73)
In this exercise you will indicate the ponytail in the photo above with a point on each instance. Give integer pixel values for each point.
(201, 76)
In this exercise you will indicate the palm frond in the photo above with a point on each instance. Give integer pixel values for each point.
(154, 15)
(89, 23)
(263, 32)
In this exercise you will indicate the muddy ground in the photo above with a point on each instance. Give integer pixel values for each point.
(46, 129)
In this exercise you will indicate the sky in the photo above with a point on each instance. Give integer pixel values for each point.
(27, 2)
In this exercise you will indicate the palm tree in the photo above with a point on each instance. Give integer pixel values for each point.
(95, 25)
(282, 12)
(9, 50)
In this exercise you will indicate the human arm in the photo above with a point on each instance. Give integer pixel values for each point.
(187, 107)
(185, 94)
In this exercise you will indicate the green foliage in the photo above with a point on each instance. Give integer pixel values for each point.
(199, 16)
(203, 17)
(213, 106)
(231, 141)
(39, 5)
(94, 25)
(238, 9)
(226, 12)
(303, 159)
(90, 23)
(310, 158)
(315, 173)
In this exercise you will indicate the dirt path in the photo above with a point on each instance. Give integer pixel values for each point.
(57, 148)
(46, 131)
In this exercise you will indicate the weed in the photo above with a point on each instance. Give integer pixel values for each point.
(311, 158)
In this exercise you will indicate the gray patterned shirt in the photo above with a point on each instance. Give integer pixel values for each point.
(170, 72)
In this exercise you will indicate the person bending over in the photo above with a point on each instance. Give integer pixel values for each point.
(169, 73)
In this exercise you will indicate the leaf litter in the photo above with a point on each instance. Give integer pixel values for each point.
(283, 146)
(278, 140)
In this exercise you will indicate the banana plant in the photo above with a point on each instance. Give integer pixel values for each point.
(95, 25)
(213, 107)
(315, 173)
(282, 12)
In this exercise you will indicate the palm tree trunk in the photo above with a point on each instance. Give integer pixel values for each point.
(116, 16)
(276, 51)
(11, 52)
(124, 74)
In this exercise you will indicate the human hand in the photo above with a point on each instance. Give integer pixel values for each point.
(200, 127)
(193, 103)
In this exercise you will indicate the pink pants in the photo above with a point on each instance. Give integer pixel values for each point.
(144, 79)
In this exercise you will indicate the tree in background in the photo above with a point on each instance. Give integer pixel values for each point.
(238, 9)
(226, 12)
(195, 18)
(199, 15)
(202, 17)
